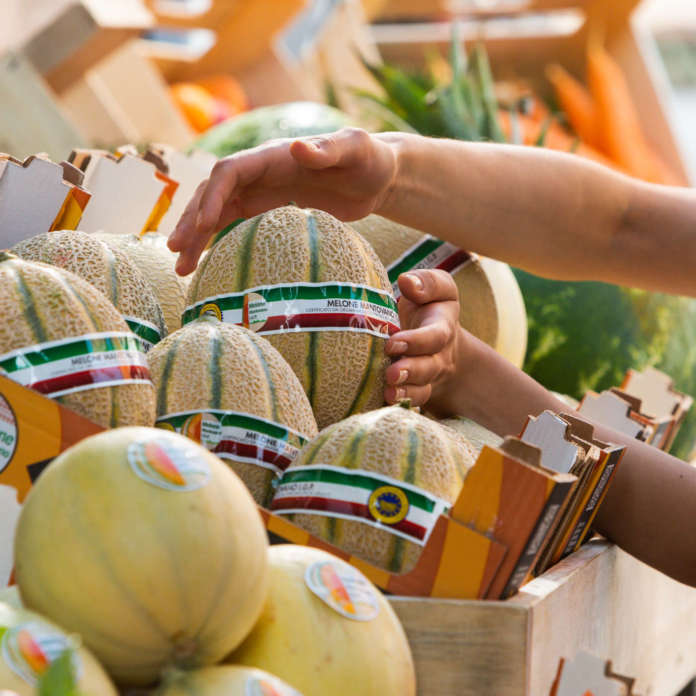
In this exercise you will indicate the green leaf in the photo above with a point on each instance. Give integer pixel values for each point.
(60, 678)
(541, 139)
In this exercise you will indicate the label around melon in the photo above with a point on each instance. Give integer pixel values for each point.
(429, 252)
(344, 589)
(8, 433)
(239, 436)
(273, 309)
(356, 494)
(57, 368)
(146, 331)
(29, 648)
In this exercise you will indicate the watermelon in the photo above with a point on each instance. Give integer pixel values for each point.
(292, 120)
(585, 335)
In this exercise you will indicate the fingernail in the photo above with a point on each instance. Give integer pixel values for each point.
(416, 280)
(399, 394)
(397, 347)
(403, 376)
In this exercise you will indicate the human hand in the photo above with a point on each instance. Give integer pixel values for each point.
(429, 343)
(347, 174)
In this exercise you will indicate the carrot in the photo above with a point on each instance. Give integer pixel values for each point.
(576, 102)
(619, 130)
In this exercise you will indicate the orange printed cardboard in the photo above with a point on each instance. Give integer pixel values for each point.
(37, 196)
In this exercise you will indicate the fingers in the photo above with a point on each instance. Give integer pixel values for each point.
(418, 371)
(340, 149)
(428, 285)
(425, 340)
(418, 395)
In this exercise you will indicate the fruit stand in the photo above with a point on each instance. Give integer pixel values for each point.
(202, 488)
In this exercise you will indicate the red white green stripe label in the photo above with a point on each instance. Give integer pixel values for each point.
(239, 436)
(272, 309)
(147, 332)
(71, 365)
(355, 494)
(430, 252)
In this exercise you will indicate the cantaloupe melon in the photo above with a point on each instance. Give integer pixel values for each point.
(317, 291)
(386, 518)
(227, 680)
(29, 644)
(225, 386)
(61, 336)
(491, 305)
(156, 262)
(109, 270)
(148, 546)
(476, 435)
(325, 629)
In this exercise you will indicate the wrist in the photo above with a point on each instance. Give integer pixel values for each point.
(401, 146)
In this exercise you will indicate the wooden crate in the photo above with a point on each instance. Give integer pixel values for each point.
(520, 47)
(599, 599)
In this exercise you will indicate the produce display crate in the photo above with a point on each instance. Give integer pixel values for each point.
(523, 39)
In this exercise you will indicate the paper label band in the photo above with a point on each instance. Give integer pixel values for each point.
(397, 507)
(147, 332)
(430, 252)
(71, 365)
(304, 307)
(239, 436)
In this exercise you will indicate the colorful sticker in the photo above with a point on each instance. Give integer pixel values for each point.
(57, 368)
(239, 436)
(344, 588)
(8, 433)
(356, 494)
(30, 648)
(304, 307)
(268, 686)
(174, 466)
(430, 252)
(146, 331)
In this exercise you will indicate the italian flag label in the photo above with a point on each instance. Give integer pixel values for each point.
(356, 494)
(272, 309)
(147, 332)
(239, 436)
(57, 368)
(430, 252)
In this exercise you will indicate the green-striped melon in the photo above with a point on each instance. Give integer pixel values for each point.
(155, 552)
(490, 302)
(39, 304)
(342, 372)
(29, 644)
(109, 270)
(156, 262)
(230, 680)
(210, 365)
(397, 442)
(325, 629)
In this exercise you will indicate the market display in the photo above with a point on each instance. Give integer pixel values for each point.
(109, 271)
(317, 291)
(229, 389)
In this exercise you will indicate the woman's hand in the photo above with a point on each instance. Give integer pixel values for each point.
(429, 343)
(347, 173)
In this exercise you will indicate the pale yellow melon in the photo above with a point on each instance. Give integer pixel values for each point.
(325, 629)
(29, 644)
(155, 552)
(490, 301)
(211, 366)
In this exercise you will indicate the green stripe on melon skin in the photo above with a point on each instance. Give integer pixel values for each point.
(246, 253)
(369, 374)
(269, 379)
(165, 377)
(214, 369)
(313, 337)
(29, 306)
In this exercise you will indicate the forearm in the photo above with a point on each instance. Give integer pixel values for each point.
(552, 214)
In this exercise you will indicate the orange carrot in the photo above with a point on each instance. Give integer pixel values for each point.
(576, 102)
(619, 130)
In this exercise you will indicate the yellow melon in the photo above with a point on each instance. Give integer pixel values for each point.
(317, 291)
(62, 337)
(109, 270)
(325, 629)
(29, 644)
(155, 552)
(225, 386)
(491, 304)
(385, 519)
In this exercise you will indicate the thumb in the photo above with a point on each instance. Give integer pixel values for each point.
(428, 285)
(342, 148)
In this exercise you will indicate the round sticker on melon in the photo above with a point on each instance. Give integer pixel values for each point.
(174, 466)
(268, 686)
(344, 588)
(204, 428)
(30, 648)
(8, 433)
